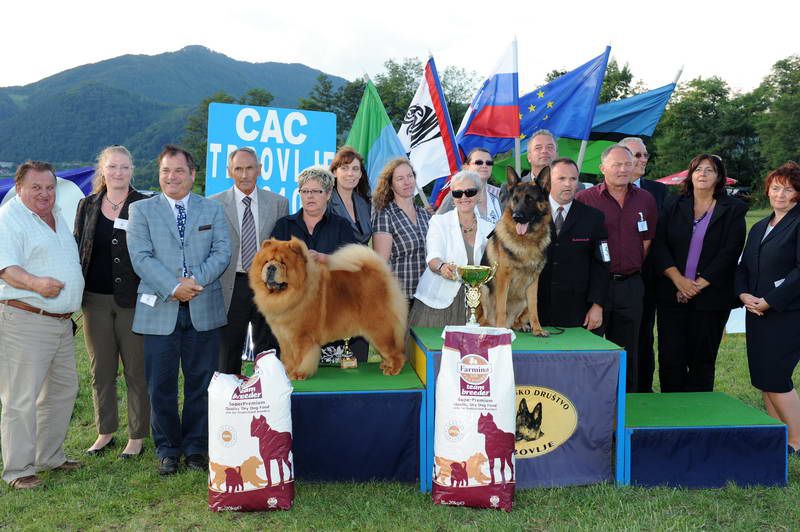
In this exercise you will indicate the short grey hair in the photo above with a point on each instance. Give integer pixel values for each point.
(316, 173)
(626, 140)
(612, 148)
(245, 149)
(467, 175)
(545, 132)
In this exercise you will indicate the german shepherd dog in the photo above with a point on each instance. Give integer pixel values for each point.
(518, 245)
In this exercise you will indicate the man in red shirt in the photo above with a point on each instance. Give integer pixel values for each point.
(630, 219)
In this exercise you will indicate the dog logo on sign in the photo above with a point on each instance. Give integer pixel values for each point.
(545, 420)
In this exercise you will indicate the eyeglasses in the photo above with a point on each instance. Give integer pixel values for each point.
(311, 192)
(640, 155)
(705, 170)
(470, 193)
(481, 163)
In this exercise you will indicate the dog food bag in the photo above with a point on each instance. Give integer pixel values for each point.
(250, 466)
(475, 417)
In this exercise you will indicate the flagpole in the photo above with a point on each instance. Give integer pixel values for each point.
(423, 197)
(582, 154)
(678, 75)
(517, 158)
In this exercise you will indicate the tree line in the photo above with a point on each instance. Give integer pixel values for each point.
(753, 131)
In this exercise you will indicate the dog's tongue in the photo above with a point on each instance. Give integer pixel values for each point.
(522, 229)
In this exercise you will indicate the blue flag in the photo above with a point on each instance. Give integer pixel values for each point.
(634, 116)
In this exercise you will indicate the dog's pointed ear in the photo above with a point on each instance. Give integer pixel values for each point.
(543, 179)
(267, 242)
(511, 177)
(537, 412)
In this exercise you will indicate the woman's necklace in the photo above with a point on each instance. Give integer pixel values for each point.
(467, 229)
(705, 213)
(115, 206)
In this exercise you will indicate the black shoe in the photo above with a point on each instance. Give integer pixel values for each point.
(104, 448)
(197, 461)
(167, 465)
(127, 456)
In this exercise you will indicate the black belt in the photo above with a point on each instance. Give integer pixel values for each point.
(242, 274)
(623, 276)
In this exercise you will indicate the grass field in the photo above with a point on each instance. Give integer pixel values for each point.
(109, 493)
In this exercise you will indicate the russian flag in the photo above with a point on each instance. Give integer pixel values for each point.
(494, 111)
(493, 114)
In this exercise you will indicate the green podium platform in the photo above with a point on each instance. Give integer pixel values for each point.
(701, 440)
(575, 368)
(358, 424)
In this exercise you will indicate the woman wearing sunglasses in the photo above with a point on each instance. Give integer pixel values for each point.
(455, 238)
(488, 207)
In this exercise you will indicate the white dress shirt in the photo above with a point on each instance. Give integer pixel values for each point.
(554, 205)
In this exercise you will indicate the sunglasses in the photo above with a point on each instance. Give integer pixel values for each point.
(481, 163)
(640, 155)
(470, 193)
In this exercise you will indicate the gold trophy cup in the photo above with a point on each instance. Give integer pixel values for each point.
(473, 277)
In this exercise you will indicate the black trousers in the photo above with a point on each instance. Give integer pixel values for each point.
(647, 355)
(622, 318)
(243, 311)
(688, 341)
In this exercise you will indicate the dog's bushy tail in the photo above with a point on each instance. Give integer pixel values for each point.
(352, 258)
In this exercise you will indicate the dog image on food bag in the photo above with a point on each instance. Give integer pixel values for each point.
(308, 304)
(518, 246)
(250, 465)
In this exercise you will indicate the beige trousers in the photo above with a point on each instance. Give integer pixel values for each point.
(38, 386)
(107, 329)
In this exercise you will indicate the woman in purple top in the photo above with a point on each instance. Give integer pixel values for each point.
(699, 237)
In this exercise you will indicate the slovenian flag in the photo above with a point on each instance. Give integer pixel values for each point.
(494, 111)
(427, 133)
(372, 134)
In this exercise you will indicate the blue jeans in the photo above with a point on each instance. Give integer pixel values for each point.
(195, 353)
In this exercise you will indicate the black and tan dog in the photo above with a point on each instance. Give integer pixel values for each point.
(518, 246)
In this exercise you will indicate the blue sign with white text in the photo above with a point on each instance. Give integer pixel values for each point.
(286, 141)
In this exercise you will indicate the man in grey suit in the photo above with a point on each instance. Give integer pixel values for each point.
(251, 213)
(179, 246)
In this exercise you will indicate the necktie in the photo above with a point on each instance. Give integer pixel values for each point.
(248, 235)
(559, 221)
(181, 220)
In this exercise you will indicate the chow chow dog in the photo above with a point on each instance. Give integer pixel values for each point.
(308, 304)
(518, 245)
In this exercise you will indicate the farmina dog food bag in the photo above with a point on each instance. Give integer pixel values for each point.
(250, 466)
(475, 418)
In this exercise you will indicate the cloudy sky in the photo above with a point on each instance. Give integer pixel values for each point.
(738, 41)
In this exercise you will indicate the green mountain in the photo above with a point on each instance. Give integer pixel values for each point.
(137, 100)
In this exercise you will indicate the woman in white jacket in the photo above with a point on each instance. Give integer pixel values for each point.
(455, 238)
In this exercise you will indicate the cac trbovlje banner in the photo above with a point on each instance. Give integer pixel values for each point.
(285, 140)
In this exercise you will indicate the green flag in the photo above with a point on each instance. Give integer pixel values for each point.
(372, 134)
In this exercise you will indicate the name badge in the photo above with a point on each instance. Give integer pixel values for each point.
(121, 223)
(642, 223)
(148, 299)
(779, 282)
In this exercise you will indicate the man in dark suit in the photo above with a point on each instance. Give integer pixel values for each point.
(179, 246)
(574, 282)
(647, 357)
(251, 213)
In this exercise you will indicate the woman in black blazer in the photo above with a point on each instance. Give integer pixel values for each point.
(109, 300)
(699, 237)
(768, 284)
(351, 198)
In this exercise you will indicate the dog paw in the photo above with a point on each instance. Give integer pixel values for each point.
(525, 327)
(298, 376)
(541, 332)
(390, 368)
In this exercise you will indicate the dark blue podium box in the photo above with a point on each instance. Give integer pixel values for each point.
(358, 425)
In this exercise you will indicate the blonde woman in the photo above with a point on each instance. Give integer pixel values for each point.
(109, 299)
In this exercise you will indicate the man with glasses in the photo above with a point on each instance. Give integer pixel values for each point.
(179, 246)
(630, 220)
(251, 213)
(647, 357)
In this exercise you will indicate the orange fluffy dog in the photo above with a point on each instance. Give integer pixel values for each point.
(308, 304)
